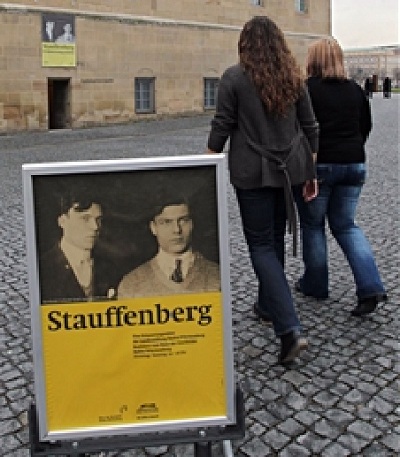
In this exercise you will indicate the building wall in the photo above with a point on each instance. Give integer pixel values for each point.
(380, 61)
(178, 42)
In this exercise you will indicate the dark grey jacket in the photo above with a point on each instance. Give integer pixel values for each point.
(241, 116)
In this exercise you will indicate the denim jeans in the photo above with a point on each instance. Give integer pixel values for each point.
(264, 219)
(339, 190)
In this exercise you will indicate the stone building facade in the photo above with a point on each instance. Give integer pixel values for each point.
(76, 63)
(377, 62)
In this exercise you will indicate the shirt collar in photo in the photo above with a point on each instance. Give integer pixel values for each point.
(167, 261)
(74, 255)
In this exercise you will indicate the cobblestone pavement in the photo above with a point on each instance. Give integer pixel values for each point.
(340, 399)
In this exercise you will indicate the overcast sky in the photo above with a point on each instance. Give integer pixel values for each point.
(365, 23)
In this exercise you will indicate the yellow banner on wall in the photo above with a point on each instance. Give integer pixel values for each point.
(133, 361)
(58, 55)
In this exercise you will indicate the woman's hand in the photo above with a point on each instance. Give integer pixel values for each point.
(310, 190)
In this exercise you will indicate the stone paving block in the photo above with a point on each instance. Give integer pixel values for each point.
(364, 429)
(377, 450)
(338, 417)
(392, 441)
(334, 450)
(353, 443)
(313, 442)
(294, 450)
(326, 399)
(255, 448)
(275, 439)
(291, 427)
(306, 417)
(326, 429)
(380, 405)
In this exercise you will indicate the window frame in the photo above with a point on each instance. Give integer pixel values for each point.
(301, 6)
(144, 105)
(210, 92)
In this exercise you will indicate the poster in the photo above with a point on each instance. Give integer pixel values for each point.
(130, 299)
(58, 40)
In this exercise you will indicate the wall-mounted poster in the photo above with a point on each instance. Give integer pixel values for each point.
(58, 40)
(130, 298)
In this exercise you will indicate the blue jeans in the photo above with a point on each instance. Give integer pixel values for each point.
(339, 190)
(264, 220)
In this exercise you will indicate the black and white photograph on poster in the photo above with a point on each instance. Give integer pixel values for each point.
(58, 28)
(104, 236)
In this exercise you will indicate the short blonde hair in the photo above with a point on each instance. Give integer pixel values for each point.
(325, 59)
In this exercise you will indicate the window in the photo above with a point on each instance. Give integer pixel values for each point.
(144, 95)
(257, 2)
(210, 93)
(301, 6)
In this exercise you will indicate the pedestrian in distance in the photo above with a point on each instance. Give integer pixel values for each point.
(368, 88)
(344, 116)
(387, 87)
(262, 106)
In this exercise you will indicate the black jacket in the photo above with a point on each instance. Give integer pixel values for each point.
(241, 116)
(344, 116)
(58, 283)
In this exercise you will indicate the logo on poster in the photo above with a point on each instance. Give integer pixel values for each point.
(147, 411)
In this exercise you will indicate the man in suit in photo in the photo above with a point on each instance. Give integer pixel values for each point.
(72, 271)
(49, 30)
(177, 267)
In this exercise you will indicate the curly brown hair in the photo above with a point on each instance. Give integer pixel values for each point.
(267, 60)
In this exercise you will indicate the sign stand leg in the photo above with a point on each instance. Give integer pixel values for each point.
(227, 447)
(202, 449)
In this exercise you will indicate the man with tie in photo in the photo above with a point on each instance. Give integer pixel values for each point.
(177, 267)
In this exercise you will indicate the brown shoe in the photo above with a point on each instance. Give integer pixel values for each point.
(291, 345)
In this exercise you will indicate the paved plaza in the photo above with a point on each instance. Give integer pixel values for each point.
(340, 398)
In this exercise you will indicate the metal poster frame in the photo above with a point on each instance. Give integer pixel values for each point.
(65, 338)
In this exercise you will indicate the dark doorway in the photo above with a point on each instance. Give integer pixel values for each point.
(59, 103)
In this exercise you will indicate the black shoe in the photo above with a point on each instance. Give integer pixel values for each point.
(291, 345)
(367, 305)
(264, 318)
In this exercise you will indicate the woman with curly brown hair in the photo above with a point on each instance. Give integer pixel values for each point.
(262, 104)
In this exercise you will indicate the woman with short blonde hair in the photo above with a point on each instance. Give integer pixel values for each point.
(344, 116)
(325, 59)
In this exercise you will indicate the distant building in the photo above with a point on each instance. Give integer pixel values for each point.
(377, 62)
(76, 63)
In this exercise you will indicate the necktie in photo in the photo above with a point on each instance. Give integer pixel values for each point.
(177, 273)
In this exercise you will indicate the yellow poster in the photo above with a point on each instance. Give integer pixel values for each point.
(58, 55)
(134, 361)
(58, 40)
